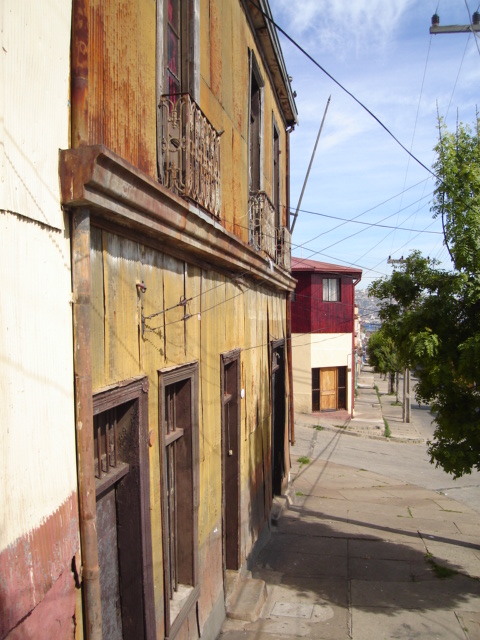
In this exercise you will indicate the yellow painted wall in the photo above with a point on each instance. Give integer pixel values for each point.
(224, 315)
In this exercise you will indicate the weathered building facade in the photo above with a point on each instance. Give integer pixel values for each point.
(38, 485)
(174, 194)
(324, 340)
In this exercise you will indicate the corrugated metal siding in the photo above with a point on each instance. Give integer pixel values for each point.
(34, 87)
(37, 439)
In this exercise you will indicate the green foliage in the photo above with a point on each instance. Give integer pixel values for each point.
(382, 352)
(387, 433)
(433, 316)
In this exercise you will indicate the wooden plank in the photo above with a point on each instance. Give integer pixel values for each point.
(328, 389)
(173, 294)
(97, 307)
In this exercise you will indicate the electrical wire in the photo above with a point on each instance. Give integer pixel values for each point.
(349, 93)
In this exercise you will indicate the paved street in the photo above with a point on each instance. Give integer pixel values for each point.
(373, 542)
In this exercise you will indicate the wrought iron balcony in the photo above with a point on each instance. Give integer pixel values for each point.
(284, 248)
(190, 164)
(261, 215)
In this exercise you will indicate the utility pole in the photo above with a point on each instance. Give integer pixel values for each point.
(474, 27)
(406, 410)
(309, 167)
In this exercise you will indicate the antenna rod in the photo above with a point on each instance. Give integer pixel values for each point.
(310, 166)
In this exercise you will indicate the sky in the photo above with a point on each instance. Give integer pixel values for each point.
(381, 51)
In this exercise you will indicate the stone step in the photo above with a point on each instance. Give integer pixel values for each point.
(245, 596)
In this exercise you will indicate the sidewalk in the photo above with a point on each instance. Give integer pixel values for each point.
(369, 414)
(358, 555)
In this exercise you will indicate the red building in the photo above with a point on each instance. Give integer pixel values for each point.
(323, 336)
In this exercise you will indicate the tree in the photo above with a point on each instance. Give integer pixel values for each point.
(383, 355)
(435, 314)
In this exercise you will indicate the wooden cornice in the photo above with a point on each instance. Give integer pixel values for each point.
(121, 197)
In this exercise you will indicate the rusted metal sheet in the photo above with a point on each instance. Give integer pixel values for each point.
(30, 567)
(113, 78)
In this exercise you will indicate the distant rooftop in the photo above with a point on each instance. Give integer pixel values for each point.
(302, 264)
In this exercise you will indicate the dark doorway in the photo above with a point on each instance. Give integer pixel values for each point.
(123, 511)
(230, 390)
(278, 415)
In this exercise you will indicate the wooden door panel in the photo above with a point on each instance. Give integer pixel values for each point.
(328, 389)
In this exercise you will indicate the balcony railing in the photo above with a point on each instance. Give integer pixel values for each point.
(261, 214)
(190, 165)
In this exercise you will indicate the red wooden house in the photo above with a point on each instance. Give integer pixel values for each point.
(323, 336)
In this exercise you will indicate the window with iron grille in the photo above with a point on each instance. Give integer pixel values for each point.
(178, 395)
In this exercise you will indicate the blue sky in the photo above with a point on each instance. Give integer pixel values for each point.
(383, 53)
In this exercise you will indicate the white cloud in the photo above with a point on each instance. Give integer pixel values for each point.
(347, 27)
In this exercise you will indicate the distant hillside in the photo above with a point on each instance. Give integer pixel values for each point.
(367, 308)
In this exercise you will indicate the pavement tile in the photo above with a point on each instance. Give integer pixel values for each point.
(389, 570)
(468, 528)
(295, 563)
(431, 625)
(312, 542)
(334, 590)
(470, 622)
(294, 609)
(434, 594)
(381, 549)
(458, 557)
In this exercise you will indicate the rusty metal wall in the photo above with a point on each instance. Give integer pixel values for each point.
(120, 44)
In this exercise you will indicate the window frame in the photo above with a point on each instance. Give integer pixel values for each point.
(134, 390)
(255, 78)
(276, 173)
(166, 378)
(326, 291)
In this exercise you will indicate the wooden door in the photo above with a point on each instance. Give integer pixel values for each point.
(328, 389)
(123, 512)
(231, 459)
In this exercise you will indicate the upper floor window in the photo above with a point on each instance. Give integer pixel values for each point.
(331, 289)
(173, 67)
(276, 173)
(255, 125)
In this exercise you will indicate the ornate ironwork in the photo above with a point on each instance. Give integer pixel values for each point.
(190, 146)
(284, 248)
(261, 215)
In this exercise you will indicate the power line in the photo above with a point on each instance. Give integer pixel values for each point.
(349, 93)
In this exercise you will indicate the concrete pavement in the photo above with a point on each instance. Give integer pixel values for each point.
(361, 555)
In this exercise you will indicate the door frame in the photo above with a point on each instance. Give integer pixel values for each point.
(227, 359)
(277, 435)
(136, 389)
